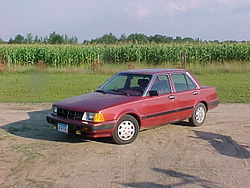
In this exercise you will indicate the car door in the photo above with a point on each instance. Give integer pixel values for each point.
(159, 109)
(185, 94)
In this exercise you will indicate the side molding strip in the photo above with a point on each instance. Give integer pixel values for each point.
(167, 112)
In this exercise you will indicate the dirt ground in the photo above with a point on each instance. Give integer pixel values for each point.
(34, 155)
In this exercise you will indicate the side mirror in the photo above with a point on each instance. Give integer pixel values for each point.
(153, 93)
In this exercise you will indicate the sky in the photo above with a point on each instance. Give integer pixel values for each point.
(89, 19)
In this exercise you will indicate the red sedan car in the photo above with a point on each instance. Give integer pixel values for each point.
(134, 100)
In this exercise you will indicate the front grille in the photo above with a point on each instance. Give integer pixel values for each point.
(69, 114)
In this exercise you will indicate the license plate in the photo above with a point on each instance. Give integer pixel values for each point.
(61, 127)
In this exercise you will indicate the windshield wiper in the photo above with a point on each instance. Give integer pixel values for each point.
(100, 91)
(120, 91)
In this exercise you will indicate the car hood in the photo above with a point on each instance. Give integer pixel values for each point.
(94, 102)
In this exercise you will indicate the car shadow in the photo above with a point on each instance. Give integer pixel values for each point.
(183, 180)
(224, 145)
(182, 123)
(36, 127)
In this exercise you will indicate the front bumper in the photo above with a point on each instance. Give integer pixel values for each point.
(94, 130)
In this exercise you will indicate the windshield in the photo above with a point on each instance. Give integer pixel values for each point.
(126, 84)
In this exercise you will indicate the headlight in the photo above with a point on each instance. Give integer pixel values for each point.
(94, 117)
(54, 110)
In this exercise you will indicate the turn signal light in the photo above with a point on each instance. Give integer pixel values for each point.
(98, 117)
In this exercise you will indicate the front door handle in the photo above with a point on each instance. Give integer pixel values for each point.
(195, 93)
(171, 97)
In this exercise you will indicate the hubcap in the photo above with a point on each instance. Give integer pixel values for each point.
(126, 130)
(200, 114)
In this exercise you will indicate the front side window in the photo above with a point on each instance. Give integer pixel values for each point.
(161, 85)
(128, 84)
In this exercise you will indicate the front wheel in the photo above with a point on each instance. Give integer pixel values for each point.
(199, 115)
(126, 130)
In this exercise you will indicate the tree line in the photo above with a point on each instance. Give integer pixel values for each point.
(138, 38)
(108, 38)
(53, 38)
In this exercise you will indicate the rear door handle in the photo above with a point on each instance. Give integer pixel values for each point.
(171, 97)
(195, 93)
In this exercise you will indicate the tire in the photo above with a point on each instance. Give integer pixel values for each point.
(199, 115)
(126, 130)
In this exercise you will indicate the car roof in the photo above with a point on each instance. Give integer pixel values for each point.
(153, 71)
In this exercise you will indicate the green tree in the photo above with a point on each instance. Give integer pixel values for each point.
(72, 40)
(137, 38)
(123, 38)
(29, 38)
(19, 39)
(86, 42)
(177, 39)
(55, 38)
(44, 40)
(188, 39)
(37, 40)
(107, 39)
(157, 38)
(65, 39)
(11, 41)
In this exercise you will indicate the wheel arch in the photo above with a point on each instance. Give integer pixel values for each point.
(131, 113)
(136, 117)
(205, 103)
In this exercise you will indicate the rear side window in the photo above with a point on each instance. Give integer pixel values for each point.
(191, 85)
(183, 83)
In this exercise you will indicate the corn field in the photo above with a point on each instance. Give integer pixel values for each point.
(85, 55)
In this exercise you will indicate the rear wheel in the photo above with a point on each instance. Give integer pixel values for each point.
(126, 130)
(199, 115)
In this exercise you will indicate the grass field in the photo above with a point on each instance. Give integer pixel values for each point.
(45, 87)
(31, 85)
